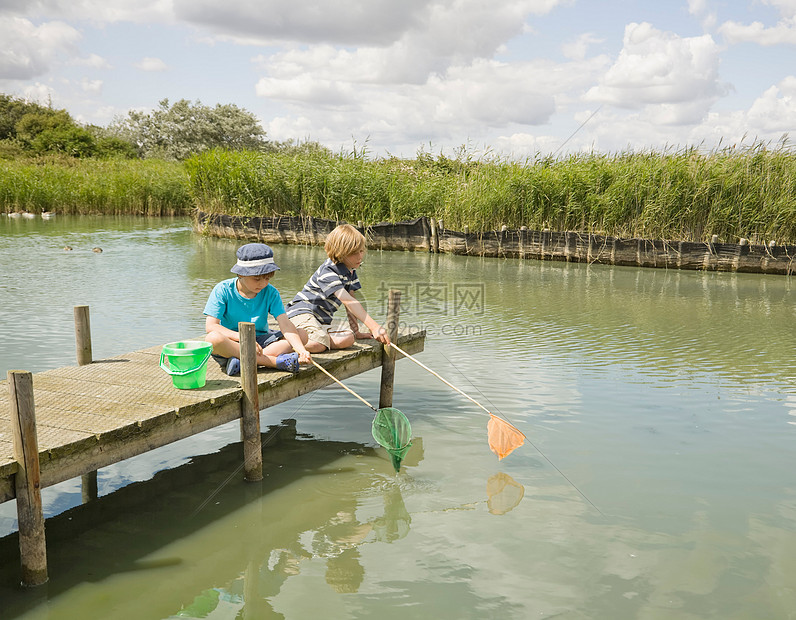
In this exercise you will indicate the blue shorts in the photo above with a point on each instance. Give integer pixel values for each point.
(263, 340)
(269, 338)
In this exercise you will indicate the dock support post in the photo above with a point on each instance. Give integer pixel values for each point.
(89, 488)
(82, 335)
(434, 236)
(32, 542)
(388, 355)
(250, 405)
(84, 356)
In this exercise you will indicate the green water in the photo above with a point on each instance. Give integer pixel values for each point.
(657, 480)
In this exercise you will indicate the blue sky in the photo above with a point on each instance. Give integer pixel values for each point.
(514, 77)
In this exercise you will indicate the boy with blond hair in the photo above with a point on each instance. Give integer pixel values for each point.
(333, 284)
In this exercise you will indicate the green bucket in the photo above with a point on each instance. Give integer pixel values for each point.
(187, 363)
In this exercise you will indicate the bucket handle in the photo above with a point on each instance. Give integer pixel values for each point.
(180, 373)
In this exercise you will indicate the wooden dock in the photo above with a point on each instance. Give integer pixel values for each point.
(91, 416)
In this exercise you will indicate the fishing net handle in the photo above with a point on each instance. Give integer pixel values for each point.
(342, 385)
(450, 385)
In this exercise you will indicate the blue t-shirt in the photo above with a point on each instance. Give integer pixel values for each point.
(318, 295)
(230, 307)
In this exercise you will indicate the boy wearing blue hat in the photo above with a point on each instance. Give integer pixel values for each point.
(251, 298)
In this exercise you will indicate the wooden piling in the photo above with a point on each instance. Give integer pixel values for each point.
(434, 236)
(84, 356)
(32, 542)
(250, 405)
(82, 335)
(388, 355)
(88, 487)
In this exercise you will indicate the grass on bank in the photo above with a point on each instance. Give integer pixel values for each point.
(683, 195)
(94, 186)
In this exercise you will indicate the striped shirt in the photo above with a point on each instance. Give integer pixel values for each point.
(318, 295)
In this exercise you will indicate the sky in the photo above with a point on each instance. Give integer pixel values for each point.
(511, 78)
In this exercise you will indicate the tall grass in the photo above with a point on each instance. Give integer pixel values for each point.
(112, 187)
(685, 195)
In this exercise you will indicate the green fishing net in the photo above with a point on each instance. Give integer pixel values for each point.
(392, 430)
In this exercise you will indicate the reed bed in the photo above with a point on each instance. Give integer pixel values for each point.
(685, 195)
(108, 187)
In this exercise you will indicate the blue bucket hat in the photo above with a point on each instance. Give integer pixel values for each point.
(254, 259)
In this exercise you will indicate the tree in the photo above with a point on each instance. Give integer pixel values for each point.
(30, 128)
(183, 129)
(12, 109)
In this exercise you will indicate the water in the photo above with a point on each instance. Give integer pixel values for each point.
(657, 480)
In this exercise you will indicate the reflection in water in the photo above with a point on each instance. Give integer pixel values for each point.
(504, 493)
(335, 541)
(258, 534)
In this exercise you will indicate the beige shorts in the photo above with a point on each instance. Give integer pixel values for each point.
(314, 328)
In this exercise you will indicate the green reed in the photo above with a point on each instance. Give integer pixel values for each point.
(86, 186)
(679, 195)
(685, 195)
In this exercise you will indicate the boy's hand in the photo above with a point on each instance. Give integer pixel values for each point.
(304, 357)
(382, 336)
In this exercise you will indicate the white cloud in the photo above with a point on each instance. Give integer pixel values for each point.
(775, 110)
(29, 51)
(701, 10)
(787, 8)
(784, 33)
(429, 32)
(96, 11)
(92, 87)
(661, 69)
(38, 92)
(476, 101)
(94, 61)
(335, 21)
(522, 145)
(578, 49)
(151, 64)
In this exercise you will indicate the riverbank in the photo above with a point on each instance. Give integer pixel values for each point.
(427, 235)
(70, 186)
(686, 195)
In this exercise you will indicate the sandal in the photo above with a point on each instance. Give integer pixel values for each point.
(233, 367)
(287, 362)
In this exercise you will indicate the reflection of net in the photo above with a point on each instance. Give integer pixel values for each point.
(504, 438)
(503, 493)
(392, 430)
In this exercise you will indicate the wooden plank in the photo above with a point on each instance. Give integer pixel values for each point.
(56, 400)
(125, 394)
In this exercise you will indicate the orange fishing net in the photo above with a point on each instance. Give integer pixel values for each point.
(504, 438)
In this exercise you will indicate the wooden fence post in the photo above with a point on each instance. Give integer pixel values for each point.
(32, 542)
(388, 355)
(84, 356)
(250, 405)
(82, 335)
(434, 236)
